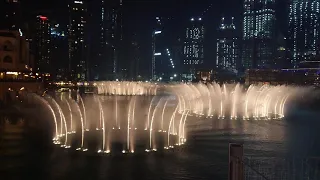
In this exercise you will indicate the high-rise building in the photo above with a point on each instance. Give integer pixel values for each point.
(193, 49)
(134, 53)
(59, 52)
(43, 45)
(77, 40)
(157, 50)
(10, 15)
(258, 33)
(105, 38)
(162, 57)
(227, 48)
(304, 30)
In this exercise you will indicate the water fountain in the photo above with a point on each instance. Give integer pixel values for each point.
(233, 101)
(132, 117)
(122, 117)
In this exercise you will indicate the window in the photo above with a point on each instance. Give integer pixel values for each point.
(7, 46)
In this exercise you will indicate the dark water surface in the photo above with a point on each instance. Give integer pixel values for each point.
(205, 155)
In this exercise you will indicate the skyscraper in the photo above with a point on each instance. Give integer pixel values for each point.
(43, 45)
(193, 49)
(59, 51)
(157, 50)
(10, 15)
(134, 53)
(77, 40)
(105, 38)
(258, 33)
(227, 48)
(162, 57)
(304, 30)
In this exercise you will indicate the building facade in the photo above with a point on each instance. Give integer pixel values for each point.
(304, 29)
(193, 49)
(78, 48)
(163, 63)
(14, 53)
(59, 52)
(227, 48)
(105, 27)
(258, 34)
(43, 45)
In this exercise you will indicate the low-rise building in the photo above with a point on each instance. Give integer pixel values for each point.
(17, 66)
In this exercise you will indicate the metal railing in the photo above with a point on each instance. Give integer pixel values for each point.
(271, 168)
(274, 168)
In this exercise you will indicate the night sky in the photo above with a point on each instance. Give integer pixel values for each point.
(139, 17)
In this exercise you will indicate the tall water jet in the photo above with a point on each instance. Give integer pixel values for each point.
(84, 112)
(128, 125)
(181, 126)
(247, 99)
(62, 122)
(65, 127)
(71, 119)
(133, 128)
(184, 125)
(170, 123)
(151, 124)
(60, 115)
(162, 115)
(103, 127)
(149, 112)
(116, 112)
(234, 102)
(53, 114)
(282, 105)
(82, 125)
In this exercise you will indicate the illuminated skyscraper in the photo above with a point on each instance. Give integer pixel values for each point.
(304, 30)
(134, 53)
(162, 57)
(59, 52)
(258, 33)
(77, 41)
(193, 50)
(227, 48)
(43, 45)
(105, 38)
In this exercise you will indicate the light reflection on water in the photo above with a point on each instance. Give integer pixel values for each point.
(204, 157)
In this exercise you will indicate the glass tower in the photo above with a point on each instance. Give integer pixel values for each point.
(227, 48)
(258, 33)
(303, 39)
(76, 40)
(193, 50)
(43, 44)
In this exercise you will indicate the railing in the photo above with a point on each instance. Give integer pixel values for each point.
(271, 168)
(256, 168)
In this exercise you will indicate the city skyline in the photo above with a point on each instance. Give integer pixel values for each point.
(101, 34)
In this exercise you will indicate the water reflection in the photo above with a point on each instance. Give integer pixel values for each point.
(23, 155)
